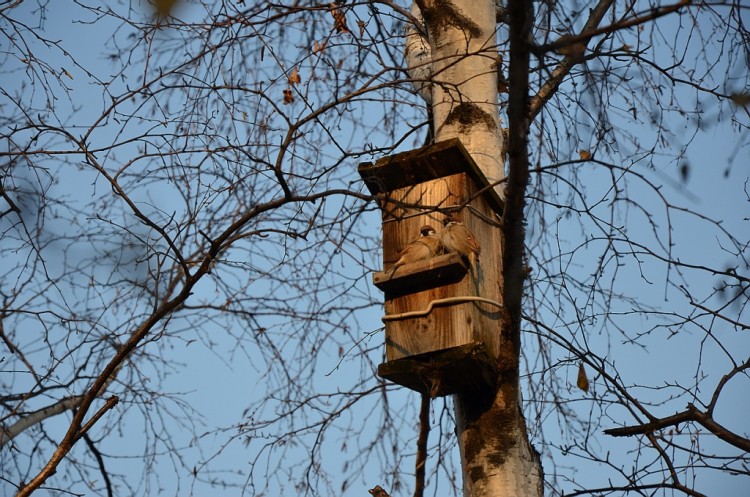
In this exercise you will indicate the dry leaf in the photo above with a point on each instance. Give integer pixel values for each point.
(685, 172)
(378, 492)
(294, 77)
(318, 47)
(288, 96)
(361, 26)
(339, 19)
(164, 8)
(741, 99)
(584, 154)
(582, 381)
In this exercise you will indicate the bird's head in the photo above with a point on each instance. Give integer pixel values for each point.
(451, 218)
(427, 230)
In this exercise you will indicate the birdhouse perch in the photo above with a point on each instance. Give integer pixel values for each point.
(442, 319)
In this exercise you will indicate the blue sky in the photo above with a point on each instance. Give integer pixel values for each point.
(213, 377)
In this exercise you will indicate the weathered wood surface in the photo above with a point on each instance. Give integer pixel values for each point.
(418, 188)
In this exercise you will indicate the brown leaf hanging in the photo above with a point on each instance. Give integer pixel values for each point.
(294, 77)
(288, 96)
(339, 19)
(582, 381)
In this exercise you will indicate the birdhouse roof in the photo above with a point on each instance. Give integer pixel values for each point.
(410, 168)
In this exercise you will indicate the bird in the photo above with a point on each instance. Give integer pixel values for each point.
(457, 238)
(426, 246)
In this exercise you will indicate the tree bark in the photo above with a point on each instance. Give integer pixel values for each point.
(464, 76)
(496, 457)
(33, 418)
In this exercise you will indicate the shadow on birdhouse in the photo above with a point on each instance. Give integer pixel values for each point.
(442, 318)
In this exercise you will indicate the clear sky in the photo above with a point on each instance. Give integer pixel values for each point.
(213, 377)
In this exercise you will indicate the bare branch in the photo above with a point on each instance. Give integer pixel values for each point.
(691, 414)
(548, 89)
(30, 419)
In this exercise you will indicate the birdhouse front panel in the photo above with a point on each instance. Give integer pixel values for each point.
(406, 210)
(457, 310)
(441, 326)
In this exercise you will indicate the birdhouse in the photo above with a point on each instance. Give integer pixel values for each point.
(442, 317)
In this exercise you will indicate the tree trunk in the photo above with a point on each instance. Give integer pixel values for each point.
(464, 76)
(496, 457)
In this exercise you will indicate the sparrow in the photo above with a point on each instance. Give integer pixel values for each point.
(426, 246)
(457, 238)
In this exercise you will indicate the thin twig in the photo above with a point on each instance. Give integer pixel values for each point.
(424, 431)
(111, 402)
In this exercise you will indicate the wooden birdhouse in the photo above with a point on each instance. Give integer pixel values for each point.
(442, 320)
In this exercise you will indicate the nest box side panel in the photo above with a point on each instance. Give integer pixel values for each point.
(483, 220)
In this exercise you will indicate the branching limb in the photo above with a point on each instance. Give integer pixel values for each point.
(586, 34)
(549, 88)
(691, 414)
(573, 46)
(33, 418)
(111, 402)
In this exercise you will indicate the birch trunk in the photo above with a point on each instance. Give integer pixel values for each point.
(497, 459)
(463, 44)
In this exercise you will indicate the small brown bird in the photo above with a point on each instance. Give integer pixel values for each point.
(457, 238)
(426, 246)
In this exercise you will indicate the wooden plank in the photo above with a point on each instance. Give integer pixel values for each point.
(421, 275)
(443, 372)
(425, 164)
